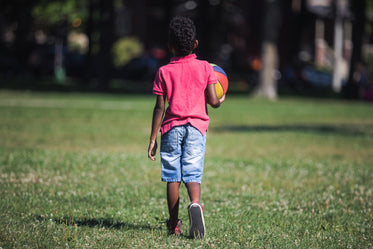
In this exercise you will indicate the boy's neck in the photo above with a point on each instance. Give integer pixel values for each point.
(178, 55)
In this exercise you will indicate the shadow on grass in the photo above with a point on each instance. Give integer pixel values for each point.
(107, 223)
(343, 130)
(99, 222)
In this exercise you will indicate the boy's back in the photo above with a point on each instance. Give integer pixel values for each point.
(183, 81)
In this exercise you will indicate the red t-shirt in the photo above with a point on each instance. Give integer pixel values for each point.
(184, 81)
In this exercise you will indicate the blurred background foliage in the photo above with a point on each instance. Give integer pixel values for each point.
(117, 45)
(50, 13)
(125, 50)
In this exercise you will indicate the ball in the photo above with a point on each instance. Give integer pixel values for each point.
(222, 86)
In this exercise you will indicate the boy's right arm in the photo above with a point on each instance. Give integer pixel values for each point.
(156, 124)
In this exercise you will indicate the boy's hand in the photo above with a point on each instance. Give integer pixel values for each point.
(152, 150)
(221, 100)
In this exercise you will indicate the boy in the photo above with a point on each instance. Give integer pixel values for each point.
(184, 82)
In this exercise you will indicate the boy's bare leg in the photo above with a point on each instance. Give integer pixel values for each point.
(194, 191)
(173, 200)
(195, 210)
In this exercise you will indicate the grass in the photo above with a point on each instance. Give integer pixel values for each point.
(295, 173)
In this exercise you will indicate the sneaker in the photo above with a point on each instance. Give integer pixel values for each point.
(196, 221)
(174, 228)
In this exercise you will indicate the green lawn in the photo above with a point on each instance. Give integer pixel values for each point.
(74, 173)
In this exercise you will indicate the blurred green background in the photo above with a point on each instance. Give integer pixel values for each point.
(268, 48)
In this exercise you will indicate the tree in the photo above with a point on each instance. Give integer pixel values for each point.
(21, 21)
(358, 9)
(106, 29)
(55, 17)
(97, 18)
(271, 26)
(340, 12)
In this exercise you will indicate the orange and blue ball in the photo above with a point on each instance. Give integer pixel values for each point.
(222, 86)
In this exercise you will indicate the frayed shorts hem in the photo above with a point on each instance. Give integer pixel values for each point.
(184, 180)
(170, 180)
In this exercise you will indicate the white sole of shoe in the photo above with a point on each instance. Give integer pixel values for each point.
(196, 221)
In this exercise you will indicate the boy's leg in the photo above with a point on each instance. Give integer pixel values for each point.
(194, 191)
(192, 163)
(170, 153)
(195, 210)
(173, 200)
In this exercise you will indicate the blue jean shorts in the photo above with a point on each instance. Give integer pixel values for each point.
(182, 154)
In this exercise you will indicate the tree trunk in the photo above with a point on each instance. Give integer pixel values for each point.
(358, 32)
(23, 41)
(267, 79)
(106, 28)
(92, 7)
(338, 48)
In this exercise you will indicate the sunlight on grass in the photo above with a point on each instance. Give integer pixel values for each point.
(288, 174)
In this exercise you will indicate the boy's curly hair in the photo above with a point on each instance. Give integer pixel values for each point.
(182, 34)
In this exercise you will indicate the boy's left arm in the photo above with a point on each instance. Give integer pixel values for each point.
(156, 124)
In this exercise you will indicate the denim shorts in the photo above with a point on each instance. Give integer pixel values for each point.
(182, 154)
